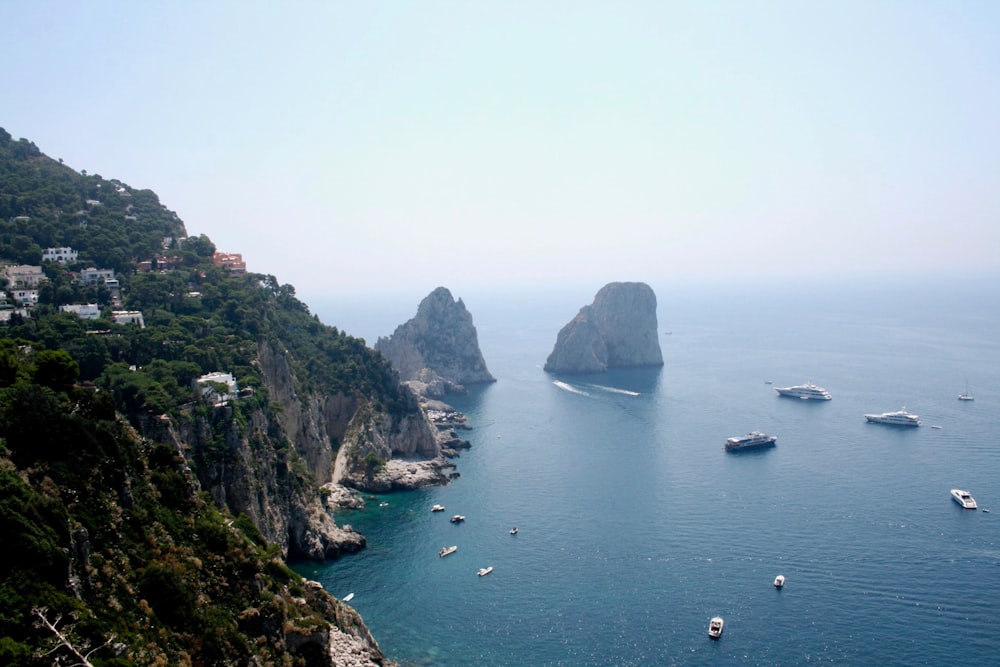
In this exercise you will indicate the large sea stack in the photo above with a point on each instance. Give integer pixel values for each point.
(618, 330)
(437, 351)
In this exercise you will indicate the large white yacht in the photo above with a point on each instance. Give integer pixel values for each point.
(749, 441)
(806, 391)
(898, 418)
(963, 498)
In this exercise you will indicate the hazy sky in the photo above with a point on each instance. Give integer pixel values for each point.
(370, 145)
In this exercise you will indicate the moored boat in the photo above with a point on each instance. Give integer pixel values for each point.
(447, 551)
(483, 571)
(807, 391)
(715, 627)
(964, 498)
(437, 508)
(751, 440)
(967, 396)
(458, 518)
(779, 581)
(897, 418)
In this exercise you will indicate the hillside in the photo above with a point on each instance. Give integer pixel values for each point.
(170, 425)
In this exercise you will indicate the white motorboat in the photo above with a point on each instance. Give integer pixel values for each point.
(964, 498)
(806, 391)
(348, 597)
(447, 551)
(513, 531)
(483, 571)
(437, 508)
(715, 627)
(779, 581)
(750, 441)
(458, 518)
(897, 418)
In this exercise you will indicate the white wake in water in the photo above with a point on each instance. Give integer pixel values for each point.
(570, 388)
(613, 390)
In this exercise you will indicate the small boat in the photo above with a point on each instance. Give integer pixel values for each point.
(383, 504)
(963, 498)
(458, 518)
(715, 627)
(967, 396)
(447, 551)
(483, 571)
(513, 531)
(437, 508)
(348, 597)
(779, 581)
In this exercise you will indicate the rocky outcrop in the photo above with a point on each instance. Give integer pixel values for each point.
(618, 330)
(438, 350)
(269, 458)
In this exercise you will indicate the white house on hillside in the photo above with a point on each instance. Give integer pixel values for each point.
(26, 296)
(61, 255)
(88, 311)
(23, 276)
(128, 317)
(211, 387)
(94, 276)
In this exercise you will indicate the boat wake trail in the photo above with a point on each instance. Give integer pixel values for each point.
(613, 390)
(570, 388)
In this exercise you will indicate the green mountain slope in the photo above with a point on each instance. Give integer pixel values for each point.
(149, 517)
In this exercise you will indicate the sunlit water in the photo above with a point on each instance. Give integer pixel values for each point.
(635, 528)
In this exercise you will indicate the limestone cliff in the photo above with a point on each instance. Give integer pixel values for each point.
(437, 350)
(618, 330)
(268, 458)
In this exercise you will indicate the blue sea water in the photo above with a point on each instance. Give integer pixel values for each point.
(635, 527)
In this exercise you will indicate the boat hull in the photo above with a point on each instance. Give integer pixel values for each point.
(876, 419)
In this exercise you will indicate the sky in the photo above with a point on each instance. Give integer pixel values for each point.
(366, 147)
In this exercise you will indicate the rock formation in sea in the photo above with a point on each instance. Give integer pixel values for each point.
(437, 352)
(618, 330)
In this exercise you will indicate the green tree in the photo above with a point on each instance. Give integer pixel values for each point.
(55, 369)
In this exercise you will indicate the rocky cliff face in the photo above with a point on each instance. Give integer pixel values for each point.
(268, 459)
(438, 350)
(618, 330)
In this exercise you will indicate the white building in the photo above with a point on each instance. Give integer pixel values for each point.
(86, 311)
(128, 317)
(7, 313)
(61, 255)
(23, 276)
(94, 276)
(26, 296)
(211, 385)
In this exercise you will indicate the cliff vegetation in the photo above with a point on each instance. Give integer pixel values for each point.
(163, 442)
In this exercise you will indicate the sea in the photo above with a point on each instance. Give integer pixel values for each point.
(635, 527)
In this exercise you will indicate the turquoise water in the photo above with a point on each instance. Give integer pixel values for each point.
(635, 528)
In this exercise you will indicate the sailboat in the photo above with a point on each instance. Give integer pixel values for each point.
(967, 396)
